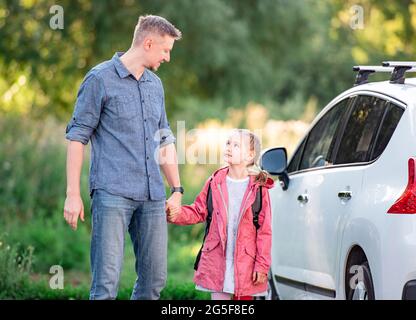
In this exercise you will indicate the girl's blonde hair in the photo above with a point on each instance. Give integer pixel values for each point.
(255, 146)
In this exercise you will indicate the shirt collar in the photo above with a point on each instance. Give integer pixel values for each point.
(123, 72)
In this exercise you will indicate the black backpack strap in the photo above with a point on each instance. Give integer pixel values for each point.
(208, 223)
(257, 206)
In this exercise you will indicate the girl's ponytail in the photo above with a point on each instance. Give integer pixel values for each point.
(261, 175)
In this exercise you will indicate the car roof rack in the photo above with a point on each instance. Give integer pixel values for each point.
(400, 68)
(365, 71)
(396, 68)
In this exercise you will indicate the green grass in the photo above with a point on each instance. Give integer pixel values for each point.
(17, 281)
(57, 244)
(40, 290)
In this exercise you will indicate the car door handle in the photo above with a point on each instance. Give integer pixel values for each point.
(345, 195)
(303, 198)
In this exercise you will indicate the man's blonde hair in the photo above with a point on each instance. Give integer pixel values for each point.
(154, 24)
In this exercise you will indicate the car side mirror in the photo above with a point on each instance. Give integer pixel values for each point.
(274, 161)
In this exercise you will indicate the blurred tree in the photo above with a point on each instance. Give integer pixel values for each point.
(387, 31)
(232, 52)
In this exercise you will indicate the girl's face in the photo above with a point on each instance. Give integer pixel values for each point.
(237, 150)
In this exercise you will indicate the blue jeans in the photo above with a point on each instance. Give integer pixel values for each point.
(145, 221)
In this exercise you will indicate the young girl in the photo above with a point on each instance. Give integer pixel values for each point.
(236, 255)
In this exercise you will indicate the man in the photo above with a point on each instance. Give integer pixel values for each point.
(120, 108)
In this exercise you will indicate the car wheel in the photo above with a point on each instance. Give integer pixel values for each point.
(361, 284)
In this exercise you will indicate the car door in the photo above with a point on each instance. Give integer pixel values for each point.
(295, 211)
(337, 190)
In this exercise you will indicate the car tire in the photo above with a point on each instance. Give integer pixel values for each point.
(363, 288)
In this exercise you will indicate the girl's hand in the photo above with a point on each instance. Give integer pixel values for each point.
(259, 278)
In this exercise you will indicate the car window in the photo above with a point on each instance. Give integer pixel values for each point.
(360, 130)
(320, 141)
(390, 122)
(294, 162)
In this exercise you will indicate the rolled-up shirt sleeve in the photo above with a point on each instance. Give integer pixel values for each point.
(166, 134)
(87, 110)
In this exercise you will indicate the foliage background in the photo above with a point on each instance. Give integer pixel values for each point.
(267, 65)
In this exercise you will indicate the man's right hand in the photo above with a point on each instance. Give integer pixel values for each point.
(172, 212)
(73, 209)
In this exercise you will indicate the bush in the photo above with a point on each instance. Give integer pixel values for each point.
(54, 242)
(14, 270)
(33, 168)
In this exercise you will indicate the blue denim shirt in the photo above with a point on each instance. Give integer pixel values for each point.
(125, 119)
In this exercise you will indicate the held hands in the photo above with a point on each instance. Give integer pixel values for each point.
(173, 206)
(172, 214)
(259, 278)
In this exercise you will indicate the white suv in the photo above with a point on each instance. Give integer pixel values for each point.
(342, 214)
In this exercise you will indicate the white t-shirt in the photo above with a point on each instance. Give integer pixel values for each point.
(236, 190)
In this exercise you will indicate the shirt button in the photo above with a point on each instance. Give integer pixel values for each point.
(142, 101)
(147, 138)
(147, 158)
(145, 120)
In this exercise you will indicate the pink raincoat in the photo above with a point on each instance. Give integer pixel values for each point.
(252, 250)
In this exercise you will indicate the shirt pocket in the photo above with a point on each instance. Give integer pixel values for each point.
(127, 107)
(154, 105)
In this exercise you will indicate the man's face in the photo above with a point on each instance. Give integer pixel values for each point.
(157, 49)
